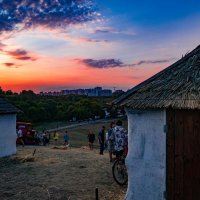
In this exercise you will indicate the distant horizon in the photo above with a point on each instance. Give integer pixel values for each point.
(60, 89)
(81, 44)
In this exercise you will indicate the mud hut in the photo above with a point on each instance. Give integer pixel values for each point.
(7, 128)
(164, 133)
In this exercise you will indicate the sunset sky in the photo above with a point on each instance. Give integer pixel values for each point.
(48, 45)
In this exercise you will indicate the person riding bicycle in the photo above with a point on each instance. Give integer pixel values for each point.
(120, 136)
(119, 170)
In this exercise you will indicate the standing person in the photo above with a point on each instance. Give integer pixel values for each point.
(66, 139)
(91, 139)
(37, 138)
(101, 137)
(48, 137)
(20, 136)
(106, 142)
(111, 140)
(40, 138)
(119, 134)
(55, 136)
(44, 138)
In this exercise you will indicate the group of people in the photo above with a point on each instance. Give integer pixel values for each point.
(115, 140)
(42, 138)
(56, 137)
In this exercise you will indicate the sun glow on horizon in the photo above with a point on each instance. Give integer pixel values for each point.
(110, 45)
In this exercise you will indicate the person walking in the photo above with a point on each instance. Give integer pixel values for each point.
(55, 137)
(48, 135)
(66, 139)
(101, 137)
(91, 139)
(20, 136)
(44, 138)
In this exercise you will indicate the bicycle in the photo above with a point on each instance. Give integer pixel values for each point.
(119, 170)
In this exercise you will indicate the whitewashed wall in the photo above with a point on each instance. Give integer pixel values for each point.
(146, 160)
(7, 135)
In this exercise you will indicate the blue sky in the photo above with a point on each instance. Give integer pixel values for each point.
(79, 43)
(152, 13)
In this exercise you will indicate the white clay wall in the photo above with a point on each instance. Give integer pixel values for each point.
(7, 135)
(146, 160)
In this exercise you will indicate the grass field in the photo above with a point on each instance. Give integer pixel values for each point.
(50, 125)
(60, 174)
(78, 135)
(54, 174)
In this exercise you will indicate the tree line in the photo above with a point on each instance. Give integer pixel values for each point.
(37, 108)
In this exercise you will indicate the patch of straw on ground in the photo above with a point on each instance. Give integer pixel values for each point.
(57, 174)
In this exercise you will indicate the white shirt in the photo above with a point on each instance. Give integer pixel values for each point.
(19, 133)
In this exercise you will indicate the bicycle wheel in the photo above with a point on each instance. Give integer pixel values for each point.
(119, 172)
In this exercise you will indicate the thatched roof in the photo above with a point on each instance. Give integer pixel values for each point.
(177, 87)
(7, 108)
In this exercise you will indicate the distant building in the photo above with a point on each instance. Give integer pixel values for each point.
(94, 92)
(64, 92)
(91, 92)
(105, 93)
(81, 92)
(7, 128)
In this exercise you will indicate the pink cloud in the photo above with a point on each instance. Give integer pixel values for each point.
(20, 54)
(83, 40)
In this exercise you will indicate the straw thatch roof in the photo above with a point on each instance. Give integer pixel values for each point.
(177, 87)
(7, 108)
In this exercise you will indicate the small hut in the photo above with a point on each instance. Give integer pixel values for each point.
(7, 128)
(164, 133)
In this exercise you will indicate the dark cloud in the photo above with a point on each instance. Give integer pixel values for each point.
(19, 14)
(111, 63)
(103, 63)
(151, 62)
(20, 54)
(11, 65)
(103, 31)
(97, 41)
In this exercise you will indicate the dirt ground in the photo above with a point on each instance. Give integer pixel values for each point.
(56, 174)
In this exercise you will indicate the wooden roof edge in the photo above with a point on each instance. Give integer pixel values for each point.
(11, 109)
(140, 85)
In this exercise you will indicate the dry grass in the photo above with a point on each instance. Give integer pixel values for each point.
(54, 174)
(59, 173)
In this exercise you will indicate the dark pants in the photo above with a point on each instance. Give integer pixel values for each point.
(119, 154)
(101, 147)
